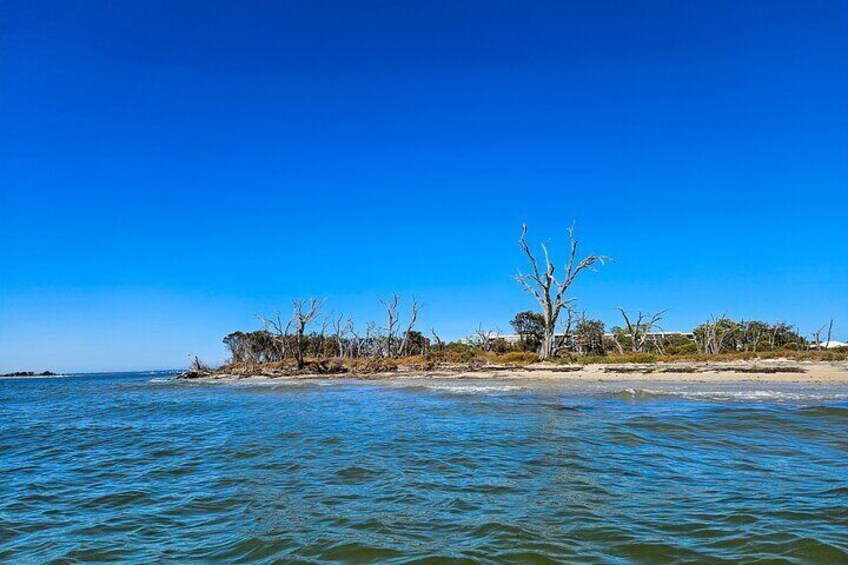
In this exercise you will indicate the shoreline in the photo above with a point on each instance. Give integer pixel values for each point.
(765, 371)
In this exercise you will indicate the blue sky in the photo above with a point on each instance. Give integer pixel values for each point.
(169, 169)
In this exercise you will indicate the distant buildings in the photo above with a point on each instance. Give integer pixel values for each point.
(656, 336)
(832, 344)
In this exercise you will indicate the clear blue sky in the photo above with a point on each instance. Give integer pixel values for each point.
(168, 169)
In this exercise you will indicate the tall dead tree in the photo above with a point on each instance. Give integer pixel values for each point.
(395, 343)
(341, 329)
(305, 312)
(548, 290)
(355, 347)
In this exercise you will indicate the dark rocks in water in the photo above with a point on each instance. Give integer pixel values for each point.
(30, 374)
(193, 375)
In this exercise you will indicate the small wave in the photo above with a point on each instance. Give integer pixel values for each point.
(732, 395)
(472, 389)
(826, 411)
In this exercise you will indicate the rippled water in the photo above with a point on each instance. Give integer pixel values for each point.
(140, 469)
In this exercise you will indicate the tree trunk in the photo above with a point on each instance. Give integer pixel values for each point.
(299, 351)
(548, 341)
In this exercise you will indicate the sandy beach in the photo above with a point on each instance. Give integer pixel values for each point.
(766, 371)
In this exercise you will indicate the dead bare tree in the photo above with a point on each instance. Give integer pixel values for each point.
(439, 343)
(348, 330)
(305, 312)
(396, 343)
(817, 337)
(751, 333)
(618, 345)
(639, 331)
(817, 340)
(355, 348)
(711, 336)
(391, 306)
(373, 342)
(340, 332)
(659, 342)
(829, 334)
(486, 338)
(413, 317)
(320, 347)
(198, 366)
(772, 335)
(564, 341)
(548, 291)
(280, 331)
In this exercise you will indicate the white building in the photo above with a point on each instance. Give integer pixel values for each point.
(832, 344)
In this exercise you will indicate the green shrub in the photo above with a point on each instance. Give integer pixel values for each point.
(688, 348)
(643, 358)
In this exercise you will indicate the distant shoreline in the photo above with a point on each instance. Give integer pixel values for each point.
(30, 375)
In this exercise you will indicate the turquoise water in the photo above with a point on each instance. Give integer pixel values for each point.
(137, 468)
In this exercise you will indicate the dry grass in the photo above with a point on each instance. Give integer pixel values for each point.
(628, 358)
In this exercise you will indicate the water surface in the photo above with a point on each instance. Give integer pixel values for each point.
(138, 468)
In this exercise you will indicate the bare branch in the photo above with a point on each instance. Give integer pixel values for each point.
(547, 290)
(413, 317)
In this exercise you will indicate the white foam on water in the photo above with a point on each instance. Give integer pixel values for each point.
(740, 395)
(473, 389)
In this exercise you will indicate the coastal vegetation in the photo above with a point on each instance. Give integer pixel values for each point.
(313, 339)
(29, 374)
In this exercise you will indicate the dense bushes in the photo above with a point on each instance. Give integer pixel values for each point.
(689, 348)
